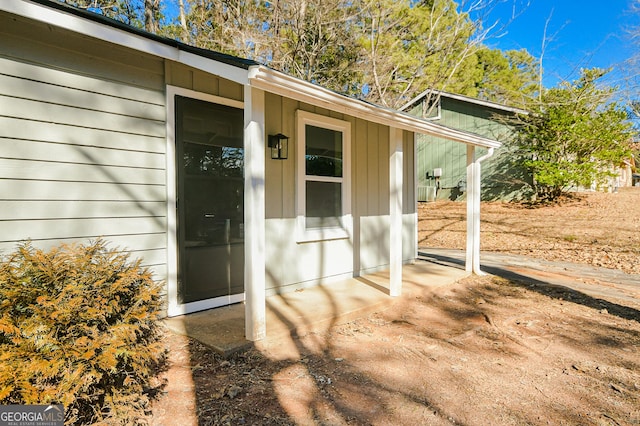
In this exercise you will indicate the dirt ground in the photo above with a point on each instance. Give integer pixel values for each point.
(596, 228)
(484, 351)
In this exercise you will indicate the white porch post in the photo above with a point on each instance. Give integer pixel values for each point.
(474, 174)
(254, 214)
(472, 213)
(395, 211)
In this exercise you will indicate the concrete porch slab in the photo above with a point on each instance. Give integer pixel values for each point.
(314, 309)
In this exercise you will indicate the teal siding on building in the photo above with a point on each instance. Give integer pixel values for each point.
(502, 179)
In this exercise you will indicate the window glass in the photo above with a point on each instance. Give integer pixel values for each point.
(211, 165)
(210, 198)
(221, 161)
(324, 204)
(323, 152)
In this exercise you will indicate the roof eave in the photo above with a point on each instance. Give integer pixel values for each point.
(276, 82)
(468, 99)
(78, 22)
(248, 72)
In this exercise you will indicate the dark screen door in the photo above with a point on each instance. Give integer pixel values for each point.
(210, 169)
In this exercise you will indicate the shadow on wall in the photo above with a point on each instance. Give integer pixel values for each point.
(503, 176)
(505, 179)
(456, 193)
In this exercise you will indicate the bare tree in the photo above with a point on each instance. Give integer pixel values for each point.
(410, 46)
(131, 12)
(152, 15)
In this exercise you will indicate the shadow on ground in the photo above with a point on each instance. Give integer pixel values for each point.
(482, 350)
(547, 288)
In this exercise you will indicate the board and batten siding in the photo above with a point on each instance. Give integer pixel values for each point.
(82, 143)
(291, 264)
(502, 179)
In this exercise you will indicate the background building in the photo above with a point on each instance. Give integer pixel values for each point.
(441, 163)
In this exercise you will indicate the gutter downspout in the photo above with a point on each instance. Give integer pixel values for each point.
(473, 209)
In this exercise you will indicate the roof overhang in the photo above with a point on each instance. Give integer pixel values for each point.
(235, 69)
(64, 16)
(272, 81)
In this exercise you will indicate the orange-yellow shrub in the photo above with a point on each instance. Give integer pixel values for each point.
(79, 326)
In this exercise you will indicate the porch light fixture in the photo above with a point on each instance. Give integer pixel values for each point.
(279, 145)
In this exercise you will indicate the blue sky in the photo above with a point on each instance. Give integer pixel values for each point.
(587, 33)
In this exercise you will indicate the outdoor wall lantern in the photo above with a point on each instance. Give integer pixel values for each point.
(279, 145)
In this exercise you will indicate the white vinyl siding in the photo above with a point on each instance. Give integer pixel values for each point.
(81, 157)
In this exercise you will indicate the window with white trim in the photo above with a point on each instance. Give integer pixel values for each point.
(323, 185)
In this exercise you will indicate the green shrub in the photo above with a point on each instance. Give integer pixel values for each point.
(79, 326)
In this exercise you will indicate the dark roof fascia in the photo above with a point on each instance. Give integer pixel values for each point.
(104, 20)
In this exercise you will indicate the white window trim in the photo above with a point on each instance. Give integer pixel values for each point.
(304, 118)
